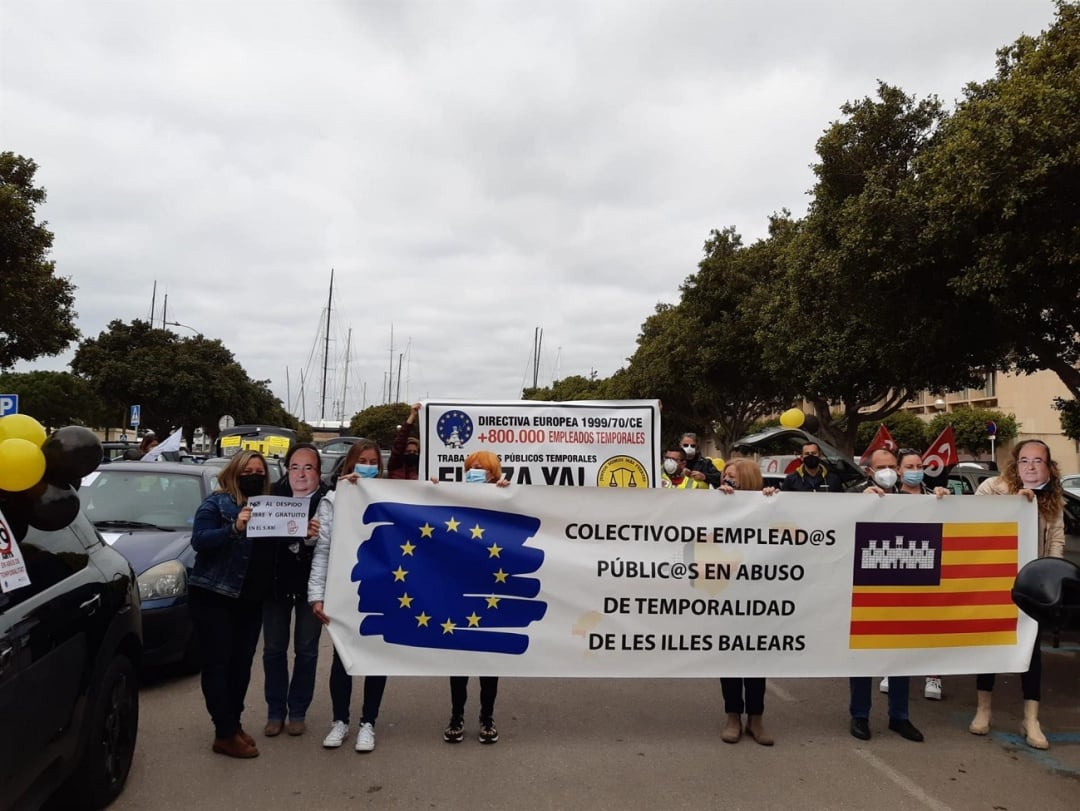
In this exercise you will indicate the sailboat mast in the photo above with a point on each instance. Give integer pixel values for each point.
(345, 388)
(326, 347)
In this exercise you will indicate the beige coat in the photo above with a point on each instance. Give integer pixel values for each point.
(1051, 533)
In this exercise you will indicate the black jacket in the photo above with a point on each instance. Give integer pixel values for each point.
(291, 559)
(800, 481)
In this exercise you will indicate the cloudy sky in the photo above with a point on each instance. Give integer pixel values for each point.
(471, 170)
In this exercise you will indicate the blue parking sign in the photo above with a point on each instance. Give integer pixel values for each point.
(136, 416)
(9, 404)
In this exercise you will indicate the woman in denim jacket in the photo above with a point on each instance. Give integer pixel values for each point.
(226, 608)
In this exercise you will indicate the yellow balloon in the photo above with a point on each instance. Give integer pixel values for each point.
(22, 464)
(22, 426)
(792, 418)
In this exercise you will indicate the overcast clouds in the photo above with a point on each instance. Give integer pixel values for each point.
(471, 170)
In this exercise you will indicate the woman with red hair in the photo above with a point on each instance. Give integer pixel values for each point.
(481, 467)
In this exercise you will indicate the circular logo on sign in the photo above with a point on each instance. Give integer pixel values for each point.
(292, 527)
(454, 428)
(622, 471)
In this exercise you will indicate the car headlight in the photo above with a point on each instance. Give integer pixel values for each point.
(168, 579)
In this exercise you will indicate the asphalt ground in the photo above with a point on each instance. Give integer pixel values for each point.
(618, 744)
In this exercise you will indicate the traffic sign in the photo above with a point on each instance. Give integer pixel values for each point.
(9, 404)
(991, 428)
(136, 416)
(226, 421)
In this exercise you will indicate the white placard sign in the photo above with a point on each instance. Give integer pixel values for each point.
(278, 517)
(13, 572)
(429, 579)
(591, 443)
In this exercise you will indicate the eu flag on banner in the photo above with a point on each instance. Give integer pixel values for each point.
(448, 577)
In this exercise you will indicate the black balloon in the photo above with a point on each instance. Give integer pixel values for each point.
(16, 510)
(811, 424)
(55, 508)
(71, 453)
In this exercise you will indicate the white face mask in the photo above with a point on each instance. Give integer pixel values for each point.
(885, 477)
(670, 466)
(690, 450)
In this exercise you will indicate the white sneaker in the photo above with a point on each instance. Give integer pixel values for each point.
(365, 738)
(337, 735)
(884, 686)
(932, 690)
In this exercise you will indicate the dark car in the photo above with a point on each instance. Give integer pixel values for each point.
(145, 511)
(776, 448)
(965, 480)
(70, 646)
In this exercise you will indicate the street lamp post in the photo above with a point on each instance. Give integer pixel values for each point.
(185, 326)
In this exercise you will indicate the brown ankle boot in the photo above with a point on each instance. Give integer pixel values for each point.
(732, 730)
(234, 747)
(756, 731)
(246, 738)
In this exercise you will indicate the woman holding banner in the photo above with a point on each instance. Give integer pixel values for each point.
(362, 461)
(481, 467)
(744, 694)
(226, 605)
(1033, 474)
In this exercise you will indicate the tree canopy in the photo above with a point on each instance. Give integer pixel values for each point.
(36, 306)
(178, 382)
(380, 422)
(56, 399)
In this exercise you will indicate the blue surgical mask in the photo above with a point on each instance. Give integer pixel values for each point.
(476, 476)
(367, 471)
(913, 477)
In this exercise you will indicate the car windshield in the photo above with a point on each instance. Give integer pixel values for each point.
(116, 498)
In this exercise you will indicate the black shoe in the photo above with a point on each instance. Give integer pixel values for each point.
(905, 729)
(860, 728)
(455, 730)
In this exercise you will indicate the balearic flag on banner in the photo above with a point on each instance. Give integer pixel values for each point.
(933, 585)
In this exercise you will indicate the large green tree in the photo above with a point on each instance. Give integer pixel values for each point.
(36, 306)
(178, 382)
(380, 422)
(857, 320)
(1001, 185)
(56, 399)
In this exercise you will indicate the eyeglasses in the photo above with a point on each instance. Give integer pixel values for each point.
(689, 446)
(299, 468)
(1023, 460)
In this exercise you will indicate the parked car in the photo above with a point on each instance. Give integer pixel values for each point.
(1071, 483)
(113, 450)
(775, 448)
(145, 511)
(70, 646)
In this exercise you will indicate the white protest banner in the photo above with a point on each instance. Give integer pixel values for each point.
(13, 573)
(171, 444)
(278, 517)
(591, 443)
(431, 579)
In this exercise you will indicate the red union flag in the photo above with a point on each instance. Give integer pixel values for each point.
(933, 585)
(882, 439)
(941, 455)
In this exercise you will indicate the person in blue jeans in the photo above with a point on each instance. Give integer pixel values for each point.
(363, 461)
(884, 469)
(289, 562)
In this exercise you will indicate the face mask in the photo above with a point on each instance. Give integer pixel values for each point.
(251, 484)
(411, 458)
(367, 471)
(913, 477)
(810, 462)
(670, 466)
(734, 485)
(476, 476)
(885, 478)
(690, 450)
